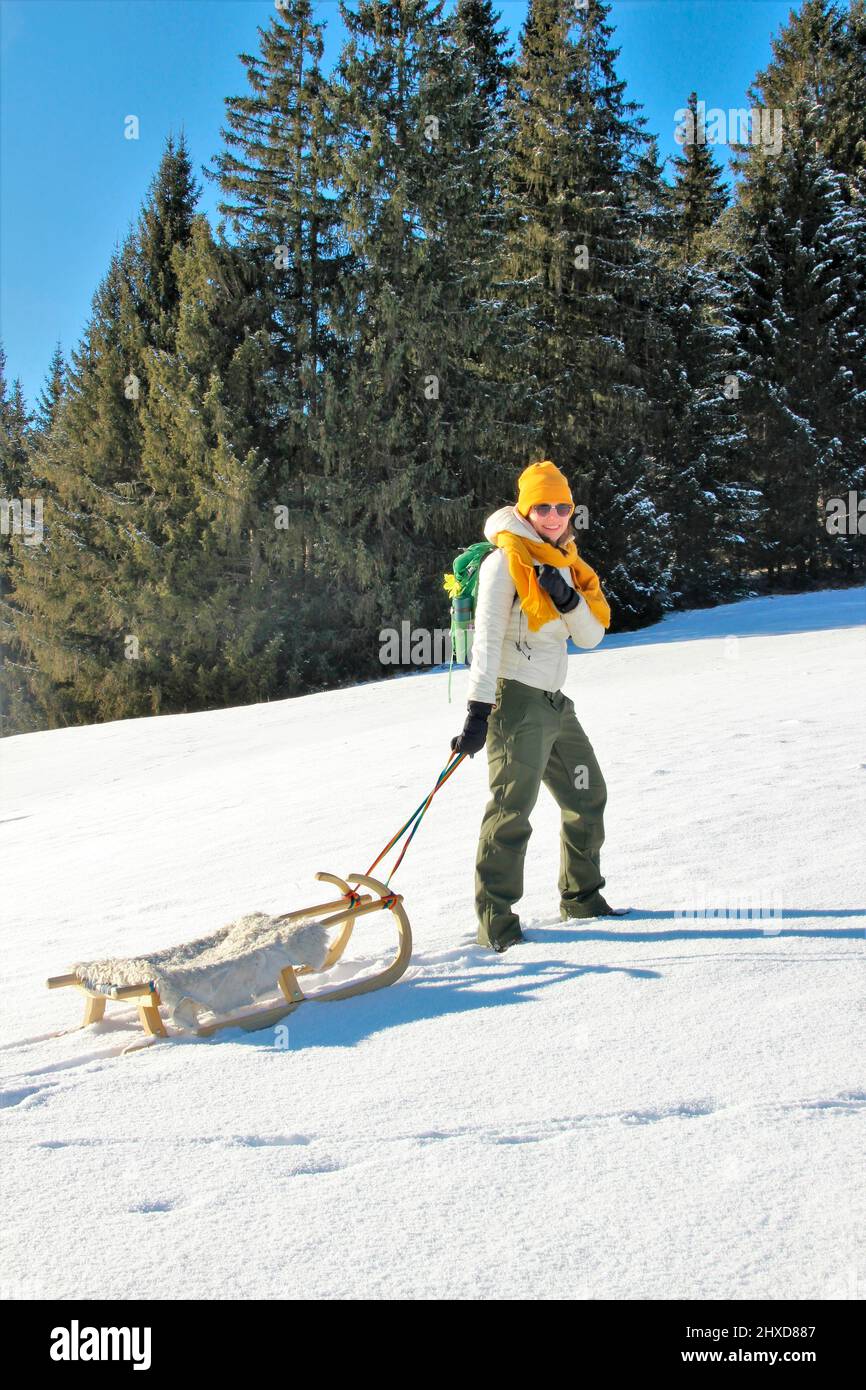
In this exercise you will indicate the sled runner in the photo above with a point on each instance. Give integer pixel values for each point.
(254, 957)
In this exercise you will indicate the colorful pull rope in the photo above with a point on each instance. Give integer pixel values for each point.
(417, 816)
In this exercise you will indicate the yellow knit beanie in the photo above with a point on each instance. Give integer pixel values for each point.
(541, 482)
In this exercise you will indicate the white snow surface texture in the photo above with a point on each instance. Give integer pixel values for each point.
(669, 1104)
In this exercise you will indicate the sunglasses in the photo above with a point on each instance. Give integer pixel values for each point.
(562, 508)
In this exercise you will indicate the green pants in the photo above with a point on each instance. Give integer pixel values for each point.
(534, 737)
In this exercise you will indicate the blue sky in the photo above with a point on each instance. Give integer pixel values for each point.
(71, 185)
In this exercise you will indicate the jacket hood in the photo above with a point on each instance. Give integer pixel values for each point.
(509, 519)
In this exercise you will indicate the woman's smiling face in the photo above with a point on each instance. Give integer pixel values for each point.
(550, 527)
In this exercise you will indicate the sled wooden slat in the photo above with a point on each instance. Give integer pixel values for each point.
(146, 996)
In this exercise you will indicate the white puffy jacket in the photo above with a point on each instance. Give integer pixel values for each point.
(503, 644)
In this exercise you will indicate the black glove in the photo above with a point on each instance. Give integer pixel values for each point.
(562, 593)
(474, 733)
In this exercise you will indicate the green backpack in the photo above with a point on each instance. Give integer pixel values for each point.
(462, 586)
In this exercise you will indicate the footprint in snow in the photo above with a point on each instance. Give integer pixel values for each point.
(21, 1095)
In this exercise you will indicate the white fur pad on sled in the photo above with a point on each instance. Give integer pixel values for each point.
(228, 970)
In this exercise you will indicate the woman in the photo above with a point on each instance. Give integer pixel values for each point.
(516, 706)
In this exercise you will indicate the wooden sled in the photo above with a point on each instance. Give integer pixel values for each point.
(146, 996)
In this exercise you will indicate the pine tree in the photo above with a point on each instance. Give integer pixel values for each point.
(59, 586)
(817, 76)
(413, 393)
(461, 92)
(274, 177)
(578, 277)
(696, 462)
(698, 197)
(651, 197)
(799, 306)
(21, 517)
(215, 617)
(52, 392)
(74, 605)
(845, 141)
(699, 474)
(375, 426)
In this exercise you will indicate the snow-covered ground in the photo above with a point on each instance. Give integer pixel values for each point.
(666, 1105)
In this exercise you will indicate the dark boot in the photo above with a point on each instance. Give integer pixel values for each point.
(595, 907)
(503, 944)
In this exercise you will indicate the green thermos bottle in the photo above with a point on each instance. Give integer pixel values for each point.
(462, 628)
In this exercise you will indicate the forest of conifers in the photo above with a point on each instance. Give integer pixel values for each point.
(443, 259)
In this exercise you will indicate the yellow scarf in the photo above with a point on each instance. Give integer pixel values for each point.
(535, 601)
